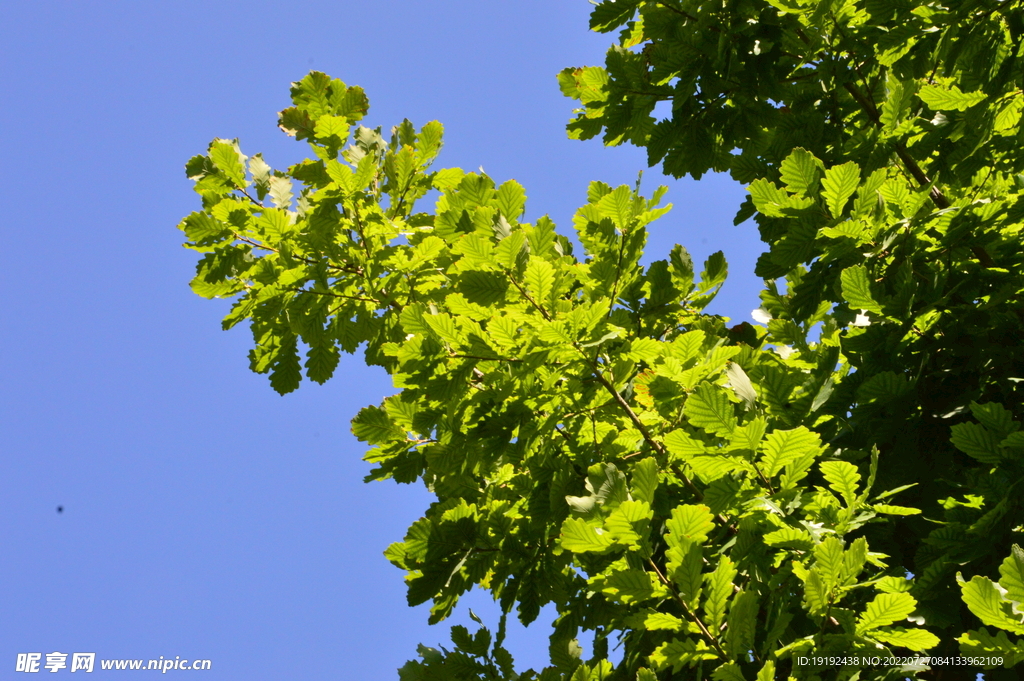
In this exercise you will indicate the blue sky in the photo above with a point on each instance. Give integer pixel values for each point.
(204, 515)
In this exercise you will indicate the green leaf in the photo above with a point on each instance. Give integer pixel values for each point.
(328, 126)
(321, 362)
(839, 185)
(690, 522)
(628, 524)
(483, 288)
(980, 643)
(540, 280)
(816, 594)
(984, 599)
(633, 586)
(645, 480)
(885, 609)
(374, 426)
(204, 230)
(509, 249)
(828, 557)
(660, 621)
(579, 537)
(609, 15)
(854, 559)
(678, 654)
(680, 443)
(739, 635)
(618, 205)
(229, 160)
(783, 446)
(976, 441)
(709, 408)
(260, 172)
(281, 191)
(857, 289)
(913, 639)
(712, 277)
(995, 417)
(843, 477)
(769, 199)
(801, 172)
(789, 538)
(949, 98)
(718, 592)
(1011, 573)
(511, 199)
(889, 509)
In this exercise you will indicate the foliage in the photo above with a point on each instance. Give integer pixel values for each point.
(715, 502)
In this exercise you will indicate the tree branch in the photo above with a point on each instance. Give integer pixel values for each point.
(689, 613)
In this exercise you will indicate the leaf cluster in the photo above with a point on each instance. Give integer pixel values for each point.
(711, 501)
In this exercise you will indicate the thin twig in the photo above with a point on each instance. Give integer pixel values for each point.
(689, 613)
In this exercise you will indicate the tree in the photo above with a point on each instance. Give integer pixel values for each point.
(800, 499)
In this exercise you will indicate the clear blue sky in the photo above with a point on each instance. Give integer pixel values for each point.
(205, 516)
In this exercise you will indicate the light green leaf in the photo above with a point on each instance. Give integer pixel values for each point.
(678, 654)
(645, 480)
(839, 185)
(801, 171)
(843, 477)
(540, 279)
(980, 643)
(229, 160)
(727, 672)
(633, 586)
(718, 592)
(857, 289)
(660, 621)
(949, 98)
(828, 556)
(476, 249)
(690, 522)
(328, 126)
(854, 559)
(739, 635)
(789, 538)
(985, 600)
(816, 594)
(681, 444)
(1011, 573)
(768, 199)
(618, 206)
(579, 537)
(885, 609)
(783, 446)
(511, 200)
(508, 250)
(914, 639)
(281, 191)
(374, 426)
(709, 408)
(628, 524)
(889, 509)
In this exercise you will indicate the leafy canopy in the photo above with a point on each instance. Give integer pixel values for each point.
(712, 502)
